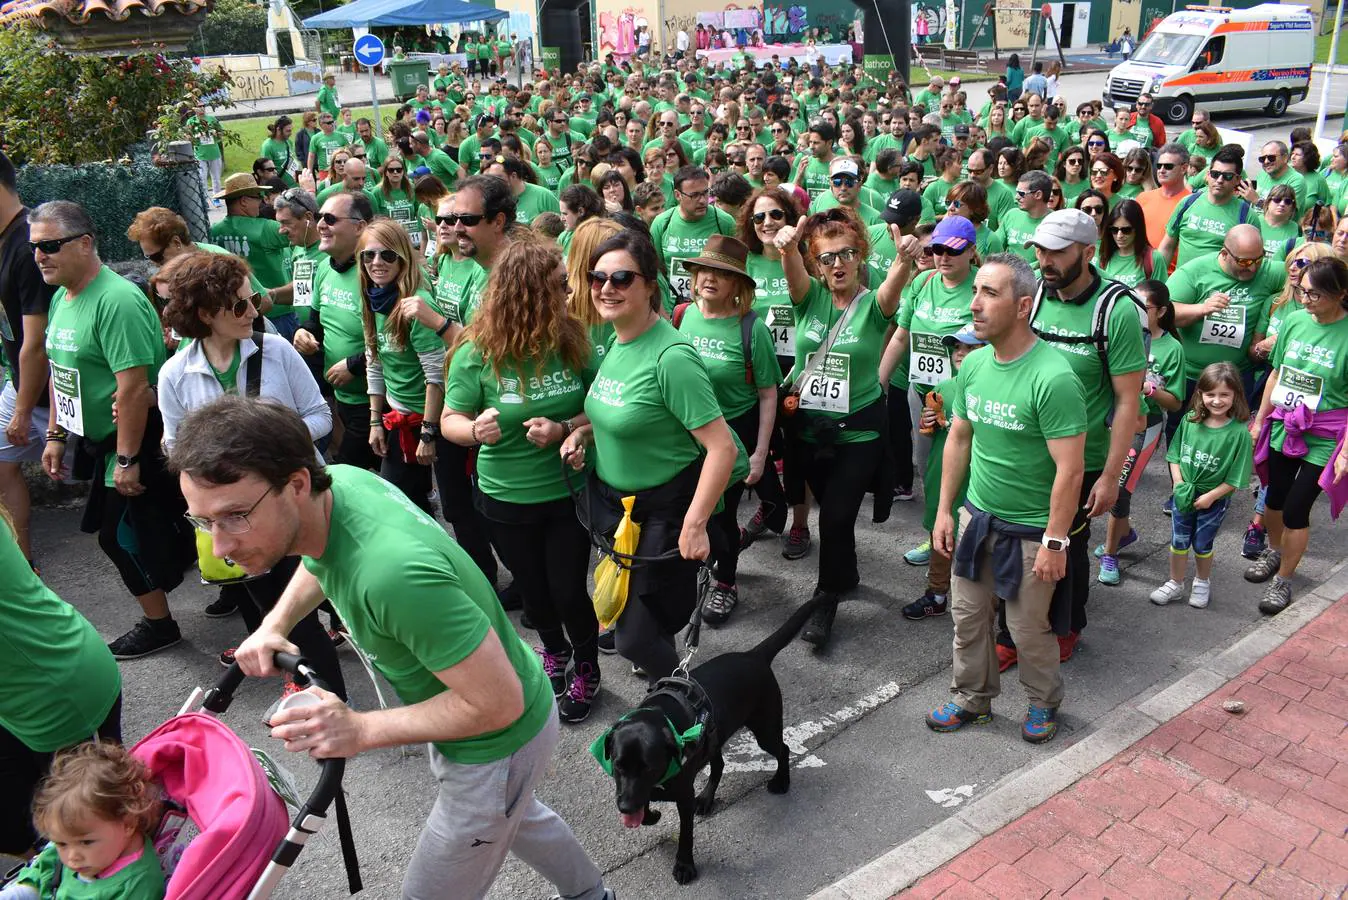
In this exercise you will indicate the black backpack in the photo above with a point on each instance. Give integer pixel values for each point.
(1110, 293)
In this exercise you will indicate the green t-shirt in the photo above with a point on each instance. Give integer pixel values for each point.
(458, 288)
(48, 649)
(327, 101)
(513, 469)
(140, 878)
(469, 150)
(848, 378)
(930, 312)
(1265, 182)
(442, 167)
(677, 239)
(562, 145)
(549, 176)
(882, 255)
(205, 137)
(425, 607)
(322, 146)
(1058, 137)
(535, 201)
(404, 378)
(1014, 409)
(1001, 199)
(401, 207)
(1127, 269)
(1126, 353)
(283, 154)
(1165, 361)
(1223, 336)
(934, 194)
(1210, 457)
(1309, 359)
(718, 342)
(867, 214)
(772, 302)
(257, 240)
(1071, 190)
(648, 395)
(1202, 228)
(1125, 192)
(338, 302)
(229, 378)
(815, 178)
(1017, 227)
(302, 264)
(376, 154)
(110, 327)
(987, 241)
(1022, 128)
(1279, 240)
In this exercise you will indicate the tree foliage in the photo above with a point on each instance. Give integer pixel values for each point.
(57, 107)
(232, 26)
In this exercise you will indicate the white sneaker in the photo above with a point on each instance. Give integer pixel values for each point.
(1171, 590)
(1200, 594)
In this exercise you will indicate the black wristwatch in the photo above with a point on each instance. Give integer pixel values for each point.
(126, 462)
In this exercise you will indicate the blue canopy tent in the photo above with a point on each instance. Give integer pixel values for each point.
(372, 13)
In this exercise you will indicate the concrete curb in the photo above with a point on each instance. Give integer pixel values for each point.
(1023, 790)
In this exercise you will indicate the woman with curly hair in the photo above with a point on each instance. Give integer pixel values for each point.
(517, 382)
(406, 361)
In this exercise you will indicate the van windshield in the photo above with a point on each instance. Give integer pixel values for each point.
(1167, 48)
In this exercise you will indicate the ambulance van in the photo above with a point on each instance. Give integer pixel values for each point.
(1220, 59)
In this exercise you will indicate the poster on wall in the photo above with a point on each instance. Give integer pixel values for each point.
(952, 21)
(711, 20)
(747, 19)
(617, 30)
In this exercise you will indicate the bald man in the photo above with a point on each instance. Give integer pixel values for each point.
(353, 179)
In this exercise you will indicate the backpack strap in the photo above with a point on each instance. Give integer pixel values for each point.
(252, 382)
(1148, 264)
(1184, 207)
(677, 316)
(747, 344)
(1244, 211)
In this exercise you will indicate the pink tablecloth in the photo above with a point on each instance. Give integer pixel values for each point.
(833, 54)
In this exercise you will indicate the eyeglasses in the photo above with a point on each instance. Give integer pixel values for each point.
(239, 308)
(468, 219)
(1271, 158)
(1221, 176)
(844, 181)
(388, 256)
(847, 254)
(622, 279)
(776, 215)
(694, 195)
(1310, 295)
(54, 245)
(332, 218)
(1120, 229)
(234, 523)
(1281, 200)
(1243, 262)
(943, 250)
(1093, 210)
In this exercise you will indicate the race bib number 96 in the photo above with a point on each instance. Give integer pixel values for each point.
(1298, 388)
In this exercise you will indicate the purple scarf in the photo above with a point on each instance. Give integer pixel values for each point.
(1331, 423)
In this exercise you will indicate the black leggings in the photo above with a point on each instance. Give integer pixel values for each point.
(769, 492)
(412, 478)
(22, 768)
(1293, 485)
(546, 548)
(456, 505)
(355, 450)
(257, 597)
(901, 438)
(839, 477)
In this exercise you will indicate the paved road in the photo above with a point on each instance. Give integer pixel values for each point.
(864, 763)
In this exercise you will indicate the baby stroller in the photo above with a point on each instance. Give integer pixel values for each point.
(224, 834)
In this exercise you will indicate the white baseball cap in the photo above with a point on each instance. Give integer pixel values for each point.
(843, 166)
(1062, 228)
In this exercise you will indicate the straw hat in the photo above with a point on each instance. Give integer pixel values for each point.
(242, 184)
(722, 252)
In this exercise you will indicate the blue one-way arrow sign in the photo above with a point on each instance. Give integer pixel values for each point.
(369, 50)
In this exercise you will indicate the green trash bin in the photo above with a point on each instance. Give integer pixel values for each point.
(408, 75)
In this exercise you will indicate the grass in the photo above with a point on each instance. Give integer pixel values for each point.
(1322, 46)
(254, 131)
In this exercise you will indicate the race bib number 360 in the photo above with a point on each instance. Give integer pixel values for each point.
(69, 407)
(1298, 388)
(929, 362)
(1226, 327)
(828, 388)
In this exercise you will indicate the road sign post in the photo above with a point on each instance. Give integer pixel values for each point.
(369, 52)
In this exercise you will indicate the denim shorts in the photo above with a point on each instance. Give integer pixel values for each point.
(1197, 529)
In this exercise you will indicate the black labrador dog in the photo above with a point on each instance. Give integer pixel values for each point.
(655, 754)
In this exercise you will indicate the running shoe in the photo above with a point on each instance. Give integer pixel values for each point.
(578, 700)
(904, 494)
(1265, 567)
(754, 530)
(1200, 594)
(608, 895)
(1040, 724)
(820, 627)
(145, 637)
(227, 657)
(1128, 540)
(919, 555)
(1277, 596)
(953, 717)
(555, 666)
(1006, 657)
(720, 604)
(797, 543)
(1256, 539)
(608, 642)
(925, 606)
(223, 607)
(1067, 645)
(1167, 593)
(1109, 570)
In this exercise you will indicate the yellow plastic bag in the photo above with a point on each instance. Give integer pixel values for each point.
(611, 578)
(215, 570)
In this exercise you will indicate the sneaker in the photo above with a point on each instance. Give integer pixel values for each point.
(338, 638)
(1128, 539)
(639, 672)
(720, 604)
(1067, 645)
(820, 627)
(1200, 594)
(754, 530)
(1169, 506)
(1168, 592)
(145, 637)
(928, 604)
(223, 607)
(953, 717)
(576, 703)
(1265, 567)
(608, 895)
(1006, 657)
(797, 543)
(919, 555)
(1277, 596)
(1040, 725)
(608, 642)
(904, 494)
(1256, 539)
(1109, 570)
(227, 657)
(555, 666)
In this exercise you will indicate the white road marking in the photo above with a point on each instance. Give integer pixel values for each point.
(952, 797)
(743, 755)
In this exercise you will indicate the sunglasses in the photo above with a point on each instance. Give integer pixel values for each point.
(1100, 173)
(1120, 229)
(1243, 262)
(239, 307)
(622, 279)
(943, 250)
(269, 170)
(388, 256)
(1281, 200)
(1074, 161)
(1022, 194)
(952, 204)
(1300, 262)
(776, 215)
(1166, 167)
(1222, 176)
(1137, 168)
(844, 181)
(1093, 210)
(468, 219)
(332, 218)
(325, 121)
(1095, 144)
(1268, 159)
(394, 170)
(847, 254)
(54, 245)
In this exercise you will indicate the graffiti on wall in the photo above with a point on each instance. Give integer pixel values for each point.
(618, 30)
(929, 21)
(785, 19)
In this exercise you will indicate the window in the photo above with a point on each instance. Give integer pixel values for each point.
(1168, 48)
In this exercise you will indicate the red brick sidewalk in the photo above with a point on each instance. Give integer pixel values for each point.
(1211, 804)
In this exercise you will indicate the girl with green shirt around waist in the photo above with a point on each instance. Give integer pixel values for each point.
(517, 385)
(405, 373)
(839, 423)
(656, 433)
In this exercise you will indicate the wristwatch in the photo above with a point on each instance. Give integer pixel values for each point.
(126, 462)
(1057, 545)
